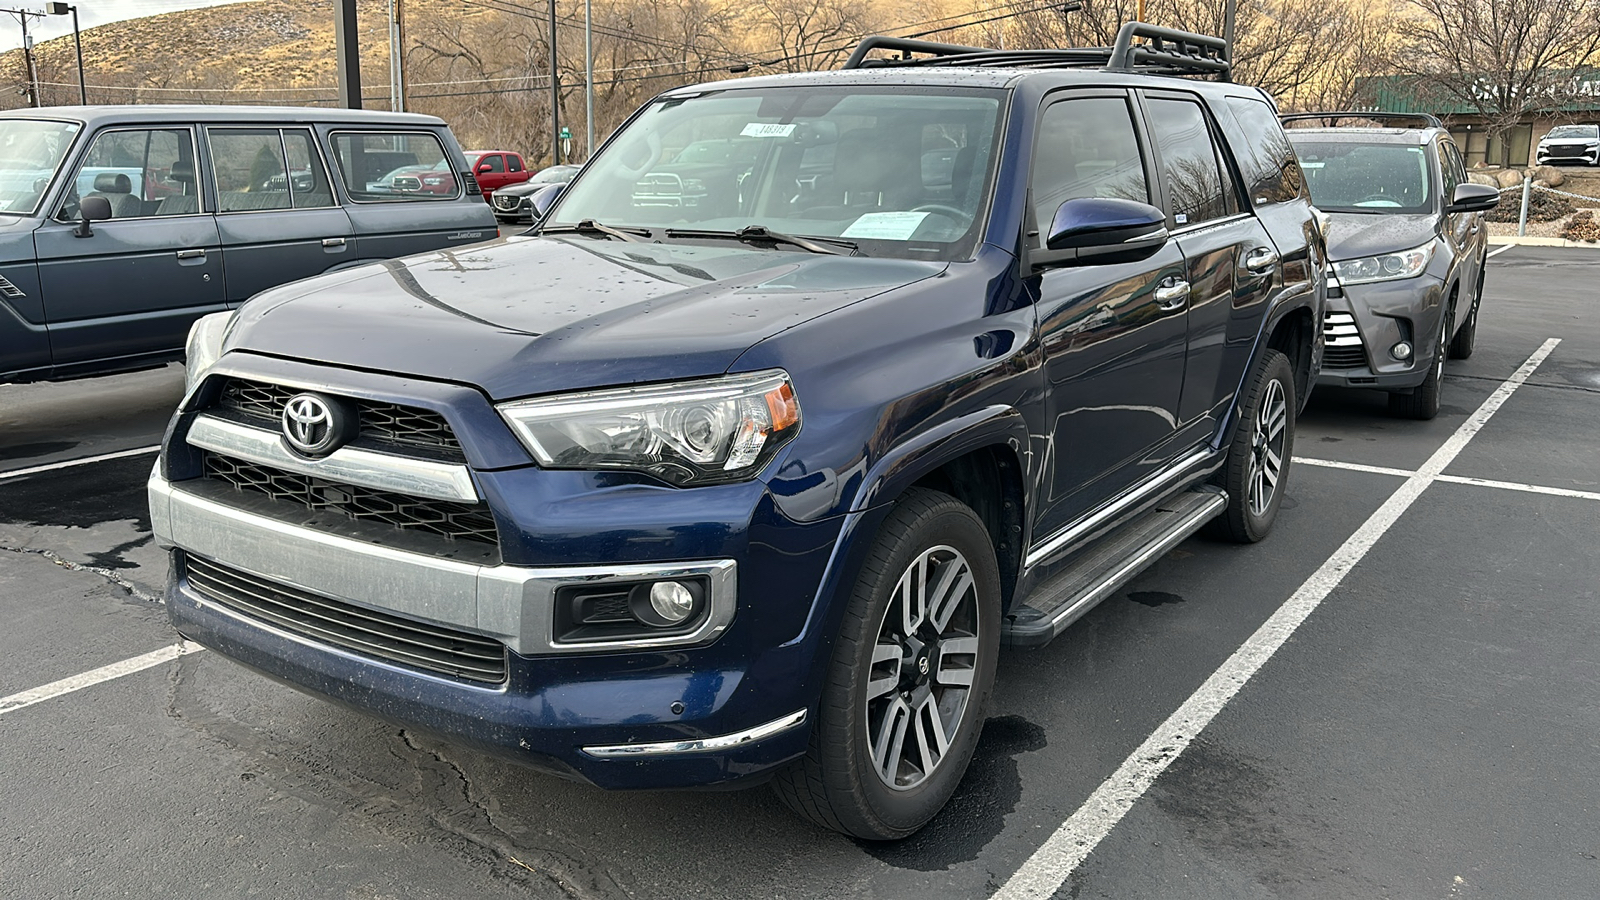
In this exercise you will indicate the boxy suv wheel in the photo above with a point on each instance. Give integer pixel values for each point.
(1258, 459)
(910, 676)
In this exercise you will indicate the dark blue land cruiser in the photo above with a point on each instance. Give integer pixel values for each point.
(747, 470)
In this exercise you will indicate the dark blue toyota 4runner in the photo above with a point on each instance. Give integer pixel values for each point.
(745, 464)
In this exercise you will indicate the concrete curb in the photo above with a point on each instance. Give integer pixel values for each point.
(1531, 241)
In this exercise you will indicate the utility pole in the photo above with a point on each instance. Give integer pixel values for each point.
(347, 50)
(588, 78)
(555, 94)
(397, 58)
(27, 51)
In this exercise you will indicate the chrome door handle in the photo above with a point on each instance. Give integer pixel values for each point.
(1172, 295)
(1260, 260)
(332, 243)
(191, 254)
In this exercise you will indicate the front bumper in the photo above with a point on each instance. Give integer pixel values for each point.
(1588, 155)
(1384, 314)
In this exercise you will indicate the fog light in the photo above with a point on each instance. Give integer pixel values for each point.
(672, 601)
(1401, 350)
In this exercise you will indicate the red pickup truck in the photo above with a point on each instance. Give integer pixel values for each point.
(497, 168)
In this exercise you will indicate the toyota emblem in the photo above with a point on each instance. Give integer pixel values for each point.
(314, 425)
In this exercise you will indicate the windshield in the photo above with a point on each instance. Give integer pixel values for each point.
(1378, 178)
(897, 171)
(1575, 131)
(30, 151)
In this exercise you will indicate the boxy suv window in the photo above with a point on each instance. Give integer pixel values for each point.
(392, 167)
(1199, 187)
(1086, 148)
(898, 171)
(1271, 174)
(30, 153)
(140, 172)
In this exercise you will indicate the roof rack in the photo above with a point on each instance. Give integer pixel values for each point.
(1166, 52)
(1333, 117)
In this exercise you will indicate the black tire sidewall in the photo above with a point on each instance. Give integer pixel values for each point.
(925, 520)
(1237, 522)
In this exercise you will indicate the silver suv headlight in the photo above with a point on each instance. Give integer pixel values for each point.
(203, 347)
(693, 432)
(1386, 267)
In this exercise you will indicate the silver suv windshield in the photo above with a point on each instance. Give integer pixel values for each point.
(1575, 131)
(30, 152)
(1345, 176)
(894, 171)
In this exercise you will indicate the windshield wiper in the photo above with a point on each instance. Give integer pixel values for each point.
(763, 234)
(590, 226)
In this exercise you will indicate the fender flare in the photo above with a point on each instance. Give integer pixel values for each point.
(927, 450)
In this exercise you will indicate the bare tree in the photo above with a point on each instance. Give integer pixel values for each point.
(1504, 59)
(813, 34)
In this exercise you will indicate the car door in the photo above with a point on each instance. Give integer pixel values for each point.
(1231, 261)
(135, 284)
(491, 169)
(516, 172)
(276, 213)
(1113, 339)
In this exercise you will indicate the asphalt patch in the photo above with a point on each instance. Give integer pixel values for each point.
(82, 497)
(977, 812)
(36, 449)
(1154, 598)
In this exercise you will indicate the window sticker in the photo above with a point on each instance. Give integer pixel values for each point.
(767, 129)
(887, 226)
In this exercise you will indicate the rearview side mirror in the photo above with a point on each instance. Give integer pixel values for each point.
(91, 209)
(1473, 198)
(1091, 230)
(485, 168)
(544, 198)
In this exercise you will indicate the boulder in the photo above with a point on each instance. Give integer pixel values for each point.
(1483, 178)
(1508, 177)
(1550, 175)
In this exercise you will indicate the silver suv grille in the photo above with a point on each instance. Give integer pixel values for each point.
(1343, 348)
(402, 641)
(403, 430)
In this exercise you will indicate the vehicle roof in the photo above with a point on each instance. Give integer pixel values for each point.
(1373, 135)
(162, 113)
(483, 152)
(965, 76)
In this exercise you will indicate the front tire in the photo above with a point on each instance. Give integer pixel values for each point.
(1257, 467)
(910, 676)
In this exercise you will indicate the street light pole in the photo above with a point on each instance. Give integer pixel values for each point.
(588, 78)
(61, 9)
(555, 94)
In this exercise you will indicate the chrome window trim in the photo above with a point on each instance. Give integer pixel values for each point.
(333, 149)
(1061, 540)
(513, 604)
(350, 465)
(703, 745)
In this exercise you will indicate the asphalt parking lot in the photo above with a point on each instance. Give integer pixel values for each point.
(1396, 695)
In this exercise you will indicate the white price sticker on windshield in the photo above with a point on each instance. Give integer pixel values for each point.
(767, 129)
(886, 226)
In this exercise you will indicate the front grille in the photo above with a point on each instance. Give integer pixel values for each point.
(380, 635)
(1342, 340)
(384, 426)
(407, 184)
(461, 521)
(507, 204)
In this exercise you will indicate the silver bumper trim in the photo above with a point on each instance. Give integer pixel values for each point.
(704, 745)
(350, 465)
(513, 604)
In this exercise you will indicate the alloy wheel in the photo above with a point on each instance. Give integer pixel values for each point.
(1266, 445)
(919, 689)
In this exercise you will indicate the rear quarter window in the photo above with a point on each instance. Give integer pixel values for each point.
(394, 166)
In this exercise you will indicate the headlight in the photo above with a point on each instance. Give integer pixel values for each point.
(203, 347)
(1388, 267)
(694, 432)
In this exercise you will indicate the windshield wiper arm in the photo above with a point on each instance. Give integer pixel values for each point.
(761, 233)
(590, 226)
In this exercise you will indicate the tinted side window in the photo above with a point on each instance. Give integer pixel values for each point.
(249, 168)
(143, 172)
(494, 162)
(1196, 182)
(379, 167)
(1447, 172)
(513, 163)
(1456, 165)
(1086, 148)
(1271, 173)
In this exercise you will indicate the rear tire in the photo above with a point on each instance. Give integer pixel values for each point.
(1257, 467)
(910, 677)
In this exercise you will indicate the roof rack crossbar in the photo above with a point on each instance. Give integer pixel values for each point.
(1333, 116)
(1166, 51)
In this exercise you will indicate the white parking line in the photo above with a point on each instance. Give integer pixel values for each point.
(1048, 868)
(1353, 467)
(18, 473)
(96, 676)
(1493, 253)
(1453, 479)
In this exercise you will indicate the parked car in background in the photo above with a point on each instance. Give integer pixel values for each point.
(513, 204)
(497, 168)
(437, 179)
(122, 225)
(681, 496)
(1408, 244)
(1579, 144)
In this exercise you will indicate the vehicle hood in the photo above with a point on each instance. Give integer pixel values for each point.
(1354, 235)
(521, 188)
(534, 315)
